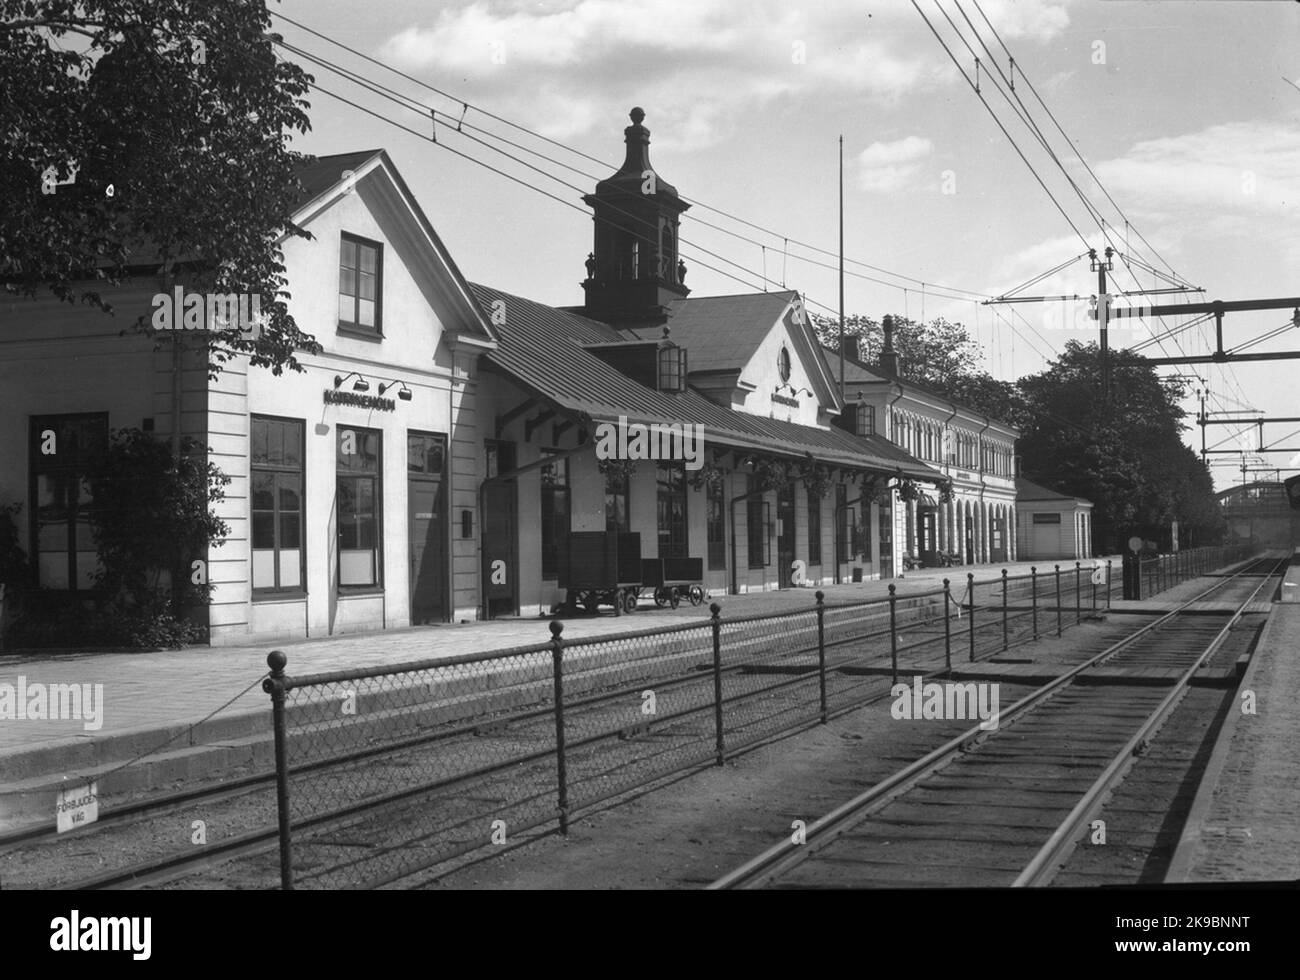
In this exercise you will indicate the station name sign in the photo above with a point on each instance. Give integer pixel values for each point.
(333, 397)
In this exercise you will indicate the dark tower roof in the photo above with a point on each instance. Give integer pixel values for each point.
(629, 177)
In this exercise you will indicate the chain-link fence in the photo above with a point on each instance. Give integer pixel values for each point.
(385, 771)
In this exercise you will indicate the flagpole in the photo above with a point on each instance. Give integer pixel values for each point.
(842, 267)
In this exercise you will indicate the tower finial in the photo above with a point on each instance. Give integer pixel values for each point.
(637, 114)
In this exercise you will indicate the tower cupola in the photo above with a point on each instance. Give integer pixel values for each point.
(634, 270)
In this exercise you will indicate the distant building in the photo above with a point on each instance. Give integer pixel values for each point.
(1052, 525)
(974, 451)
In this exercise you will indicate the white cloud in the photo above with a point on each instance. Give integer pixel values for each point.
(696, 65)
(886, 167)
(1232, 180)
(1248, 168)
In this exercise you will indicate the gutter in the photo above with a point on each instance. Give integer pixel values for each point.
(839, 517)
(988, 423)
(731, 509)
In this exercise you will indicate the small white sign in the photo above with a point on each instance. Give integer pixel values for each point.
(78, 806)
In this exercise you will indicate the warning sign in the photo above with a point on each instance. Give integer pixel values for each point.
(78, 806)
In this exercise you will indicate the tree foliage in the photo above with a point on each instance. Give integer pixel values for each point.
(939, 355)
(175, 117)
(153, 519)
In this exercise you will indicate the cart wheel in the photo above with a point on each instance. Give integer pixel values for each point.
(676, 597)
(661, 597)
(591, 602)
(629, 600)
(697, 595)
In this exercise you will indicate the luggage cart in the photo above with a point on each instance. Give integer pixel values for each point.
(603, 569)
(674, 579)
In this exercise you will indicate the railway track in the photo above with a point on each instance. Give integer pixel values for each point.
(600, 715)
(1009, 806)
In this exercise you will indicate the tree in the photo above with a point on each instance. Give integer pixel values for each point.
(1127, 457)
(939, 355)
(151, 133)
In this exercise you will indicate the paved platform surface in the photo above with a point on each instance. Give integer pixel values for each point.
(146, 691)
(1245, 821)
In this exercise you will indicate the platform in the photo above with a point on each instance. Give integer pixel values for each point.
(1244, 824)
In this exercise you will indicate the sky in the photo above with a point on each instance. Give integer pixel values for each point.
(1182, 118)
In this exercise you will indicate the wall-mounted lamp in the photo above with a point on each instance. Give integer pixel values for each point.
(404, 394)
(361, 384)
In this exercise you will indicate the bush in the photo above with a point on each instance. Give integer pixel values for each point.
(15, 570)
(152, 521)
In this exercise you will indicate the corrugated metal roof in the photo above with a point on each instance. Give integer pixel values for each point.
(722, 332)
(542, 347)
(1028, 490)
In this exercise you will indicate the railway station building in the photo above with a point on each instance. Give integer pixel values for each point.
(439, 456)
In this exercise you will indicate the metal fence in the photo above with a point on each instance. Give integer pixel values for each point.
(385, 771)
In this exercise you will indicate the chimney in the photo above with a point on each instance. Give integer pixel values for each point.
(889, 360)
(851, 348)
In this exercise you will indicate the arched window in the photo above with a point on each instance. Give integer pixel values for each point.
(667, 260)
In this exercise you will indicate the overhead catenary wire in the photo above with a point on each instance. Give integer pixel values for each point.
(466, 105)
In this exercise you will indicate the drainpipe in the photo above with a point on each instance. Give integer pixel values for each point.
(945, 466)
(983, 515)
(839, 519)
(893, 557)
(500, 480)
(731, 509)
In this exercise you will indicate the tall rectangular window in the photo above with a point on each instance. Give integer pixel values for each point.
(814, 529)
(841, 535)
(276, 497)
(360, 284)
(500, 457)
(756, 528)
(716, 504)
(671, 479)
(555, 516)
(616, 500)
(65, 453)
(359, 498)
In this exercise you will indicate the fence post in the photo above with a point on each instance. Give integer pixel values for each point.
(715, 622)
(1004, 610)
(970, 594)
(1109, 586)
(947, 627)
(277, 685)
(557, 655)
(1033, 589)
(1058, 600)
(821, 647)
(893, 632)
(1093, 579)
(1078, 606)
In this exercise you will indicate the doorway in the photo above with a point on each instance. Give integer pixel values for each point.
(426, 462)
(785, 533)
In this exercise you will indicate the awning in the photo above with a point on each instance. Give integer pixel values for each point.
(925, 500)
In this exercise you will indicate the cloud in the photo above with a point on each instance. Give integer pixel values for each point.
(1246, 170)
(1232, 180)
(698, 66)
(886, 167)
